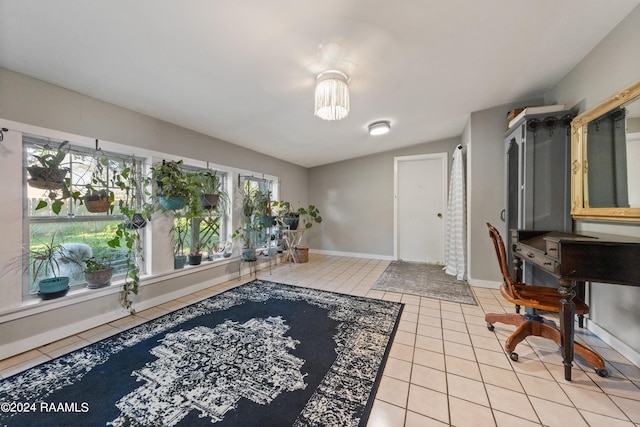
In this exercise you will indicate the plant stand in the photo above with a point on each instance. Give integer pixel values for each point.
(252, 263)
(292, 238)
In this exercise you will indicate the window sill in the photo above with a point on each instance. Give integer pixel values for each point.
(33, 305)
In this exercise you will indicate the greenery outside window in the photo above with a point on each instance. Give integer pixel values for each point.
(84, 232)
(200, 228)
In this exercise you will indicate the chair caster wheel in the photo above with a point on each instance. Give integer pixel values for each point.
(513, 356)
(602, 373)
(490, 326)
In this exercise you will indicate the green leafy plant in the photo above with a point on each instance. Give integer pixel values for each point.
(136, 211)
(48, 160)
(170, 180)
(179, 232)
(47, 174)
(98, 193)
(45, 259)
(285, 212)
(93, 264)
(208, 187)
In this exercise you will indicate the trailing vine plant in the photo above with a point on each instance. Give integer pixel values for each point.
(137, 212)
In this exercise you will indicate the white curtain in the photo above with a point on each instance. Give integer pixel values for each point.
(455, 258)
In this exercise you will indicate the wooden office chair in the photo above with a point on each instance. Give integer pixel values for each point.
(532, 324)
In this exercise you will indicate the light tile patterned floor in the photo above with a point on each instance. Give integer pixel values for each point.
(445, 367)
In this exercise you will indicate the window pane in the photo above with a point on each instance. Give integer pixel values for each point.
(80, 240)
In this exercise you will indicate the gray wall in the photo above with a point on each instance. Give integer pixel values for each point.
(486, 190)
(36, 103)
(613, 65)
(356, 200)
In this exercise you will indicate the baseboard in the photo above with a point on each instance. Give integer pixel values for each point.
(484, 284)
(352, 254)
(20, 346)
(619, 346)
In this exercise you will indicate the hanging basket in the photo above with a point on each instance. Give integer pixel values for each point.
(46, 178)
(209, 201)
(97, 204)
(172, 203)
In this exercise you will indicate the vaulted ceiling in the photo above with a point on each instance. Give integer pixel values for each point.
(244, 71)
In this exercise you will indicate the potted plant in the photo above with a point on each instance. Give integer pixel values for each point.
(248, 229)
(263, 208)
(247, 234)
(209, 190)
(44, 261)
(47, 174)
(137, 212)
(179, 232)
(98, 201)
(172, 187)
(97, 273)
(287, 216)
(203, 231)
(98, 197)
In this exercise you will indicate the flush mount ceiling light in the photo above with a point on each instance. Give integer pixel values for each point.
(332, 95)
(379, 128)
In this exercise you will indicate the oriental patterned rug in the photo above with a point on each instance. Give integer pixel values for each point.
(261, 354)
(425, 280)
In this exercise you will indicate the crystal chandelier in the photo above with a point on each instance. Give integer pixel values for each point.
(332, 95)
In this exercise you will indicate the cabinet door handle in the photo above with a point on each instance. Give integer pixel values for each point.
(503, 214)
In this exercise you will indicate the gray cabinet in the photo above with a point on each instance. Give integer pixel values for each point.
(538, 189)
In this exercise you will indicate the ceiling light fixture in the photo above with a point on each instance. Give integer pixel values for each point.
(332, 95)
(379, 128)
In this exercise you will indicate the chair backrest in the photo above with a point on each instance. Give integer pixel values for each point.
(501, 253)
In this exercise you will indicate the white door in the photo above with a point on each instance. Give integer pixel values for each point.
(420, 206)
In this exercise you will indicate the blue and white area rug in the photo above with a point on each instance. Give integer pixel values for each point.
(261, 354)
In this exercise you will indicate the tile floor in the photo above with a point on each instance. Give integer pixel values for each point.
(445, 367)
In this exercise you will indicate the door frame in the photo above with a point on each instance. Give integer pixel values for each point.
(444, 157)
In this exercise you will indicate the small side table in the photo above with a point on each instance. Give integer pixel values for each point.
(292, 238)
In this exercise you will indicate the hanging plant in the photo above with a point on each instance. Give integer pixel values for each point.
(98, 197)
(46, 173)
(172, 188)
(136, 211)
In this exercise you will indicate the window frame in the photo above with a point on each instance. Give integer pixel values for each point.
(69, 214)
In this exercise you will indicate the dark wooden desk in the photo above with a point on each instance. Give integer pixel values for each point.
(589, 257)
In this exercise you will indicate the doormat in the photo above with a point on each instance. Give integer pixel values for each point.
(425, 280)
(261, 354)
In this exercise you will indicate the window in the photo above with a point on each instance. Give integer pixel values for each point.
(200, 228)
(258, 222)
(56, 213)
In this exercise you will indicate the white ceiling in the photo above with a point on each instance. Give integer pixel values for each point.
(243, 70)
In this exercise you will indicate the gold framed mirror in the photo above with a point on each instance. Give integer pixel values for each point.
(605, 159)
